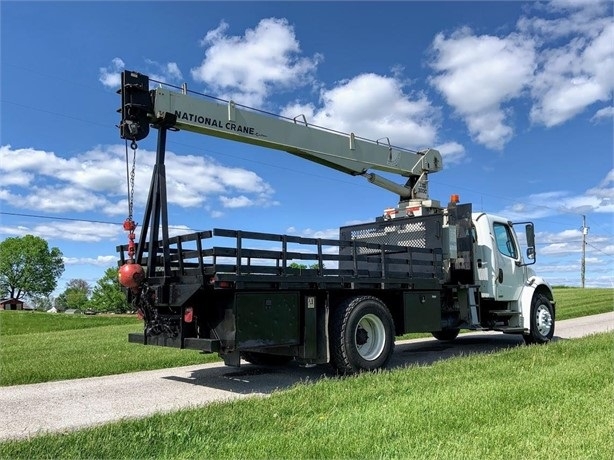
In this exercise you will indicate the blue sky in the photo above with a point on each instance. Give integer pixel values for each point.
(517, 96)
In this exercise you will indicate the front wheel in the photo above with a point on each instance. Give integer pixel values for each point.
(542, 321)
(361, 335)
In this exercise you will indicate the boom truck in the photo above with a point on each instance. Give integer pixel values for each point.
(420, 267)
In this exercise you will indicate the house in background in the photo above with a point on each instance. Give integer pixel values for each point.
(11, 304)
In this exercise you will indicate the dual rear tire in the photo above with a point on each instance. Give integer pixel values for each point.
(361, 334)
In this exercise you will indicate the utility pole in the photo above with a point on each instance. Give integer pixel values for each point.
(584, 233)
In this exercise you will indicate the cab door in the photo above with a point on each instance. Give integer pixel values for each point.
(508, 270)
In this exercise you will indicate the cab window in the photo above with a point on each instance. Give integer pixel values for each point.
(505, 242)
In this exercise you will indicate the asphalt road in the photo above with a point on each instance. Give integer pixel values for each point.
(29, 410)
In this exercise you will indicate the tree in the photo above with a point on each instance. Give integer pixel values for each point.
(42, 302)
(303, 266)
(76, 294)
(108, 294)
(28, 267)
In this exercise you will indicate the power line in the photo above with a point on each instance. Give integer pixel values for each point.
(73, 219)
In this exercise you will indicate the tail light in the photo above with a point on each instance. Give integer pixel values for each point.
(188, 315)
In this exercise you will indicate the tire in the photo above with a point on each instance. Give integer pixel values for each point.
(542, 321)
(361, 335)
(446, 335)
(265, 359)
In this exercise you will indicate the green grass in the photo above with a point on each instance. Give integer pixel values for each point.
(576, 302)
(538, 402)
(39, 347)
(78, 346)
(24, 322)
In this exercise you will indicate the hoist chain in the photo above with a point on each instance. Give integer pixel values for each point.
(129, 224)
(133, 146)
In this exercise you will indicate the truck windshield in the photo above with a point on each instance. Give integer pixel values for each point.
(505, 242)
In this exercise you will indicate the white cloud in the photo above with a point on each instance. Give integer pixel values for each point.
(81, 231)
(166, 73)
(477, 75)
(110, 76)
(100, 261)
(328, 233)
(598, 199)
(373, 106)
(96, 180)
(247, 68)
(451, 153)
(606, 112)
(236, 202)
(574, 74)
(561, 55)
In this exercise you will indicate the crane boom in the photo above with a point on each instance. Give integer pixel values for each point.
(344, 152)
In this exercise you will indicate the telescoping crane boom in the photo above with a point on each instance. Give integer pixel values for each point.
(344, 152)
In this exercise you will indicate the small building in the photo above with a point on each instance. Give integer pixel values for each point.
(11, 304)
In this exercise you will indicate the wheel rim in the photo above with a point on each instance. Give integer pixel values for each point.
(543, 320)
(370, 337)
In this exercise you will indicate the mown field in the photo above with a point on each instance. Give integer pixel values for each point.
(39, 347)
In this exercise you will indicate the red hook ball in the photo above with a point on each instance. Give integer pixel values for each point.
(131, 275)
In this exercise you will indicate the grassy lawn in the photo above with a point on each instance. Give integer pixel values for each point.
(538, 402)
(576, 302)
(39, 347)
(71, 347)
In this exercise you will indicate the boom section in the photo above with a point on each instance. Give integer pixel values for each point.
(344, 152)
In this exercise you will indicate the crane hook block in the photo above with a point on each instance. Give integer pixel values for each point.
(131, 275)
(136, 106)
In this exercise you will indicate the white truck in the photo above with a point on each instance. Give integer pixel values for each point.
(420, 267)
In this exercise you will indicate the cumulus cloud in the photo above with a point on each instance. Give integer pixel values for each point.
(247, 68)
(78, 231)
(110, 76)
(573, 77)
(373, 106)
(477, 75)
(96, 180)
(560, 55)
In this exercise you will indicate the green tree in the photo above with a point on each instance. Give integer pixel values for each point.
(76, 294)
(42, 302)
(28, 268)
(108, 295)
(303, 266)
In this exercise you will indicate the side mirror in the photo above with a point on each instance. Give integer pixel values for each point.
(530, 234)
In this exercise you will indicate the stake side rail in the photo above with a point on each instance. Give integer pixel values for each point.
(344, 264)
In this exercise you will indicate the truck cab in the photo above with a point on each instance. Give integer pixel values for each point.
(508, 286)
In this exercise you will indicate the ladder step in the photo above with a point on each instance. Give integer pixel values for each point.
(504, 312)
(510, 330)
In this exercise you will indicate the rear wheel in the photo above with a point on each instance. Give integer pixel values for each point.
(446, 335)
(542, 321)
(361, 335)
(265, 359)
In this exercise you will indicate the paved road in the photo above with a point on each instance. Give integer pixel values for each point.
(28, 410)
